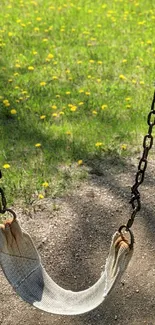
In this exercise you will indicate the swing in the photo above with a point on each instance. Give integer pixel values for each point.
(22, 266)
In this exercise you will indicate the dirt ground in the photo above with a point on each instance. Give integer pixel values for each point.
(73, 235)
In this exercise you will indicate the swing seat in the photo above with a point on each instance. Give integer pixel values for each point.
(22, 267)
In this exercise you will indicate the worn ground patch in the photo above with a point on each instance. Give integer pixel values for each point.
(73, 235)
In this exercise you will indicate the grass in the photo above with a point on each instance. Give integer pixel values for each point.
(76, 79)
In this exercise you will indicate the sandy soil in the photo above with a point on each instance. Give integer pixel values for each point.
(73, 235)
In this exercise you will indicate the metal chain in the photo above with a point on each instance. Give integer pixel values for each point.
(147, 145)
(3, 204)
(3, 199)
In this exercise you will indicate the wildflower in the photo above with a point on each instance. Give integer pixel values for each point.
(45, 40)
(6, 166)
(54, 107)
(73, 108)
(45, 184)
(81, 103)
(34, 52)
(128, 106)
(6, 102)
(79, 62)
(98, 80)
(87, 93)
(40, 196)
(124, 146)
(99, 62)
(122, 77)
(17, 65)
(54, 114)
(98, 144)
(68, 133)
(141, 82)
(38, 18)
(80, 162)
(55, 78)
(124, 60)
(42, 117)
(16, 74)
(133, 81)
(36, 29)
(42, 83)
(10, 80)
(68, 92)
(30, 68)
(61, 113)
(91, 61)
(50, 56)
(37, 145)
(104, 106)
(89, 76)
(128, 99)
(81, 91)
(13, 111)
(57, 96)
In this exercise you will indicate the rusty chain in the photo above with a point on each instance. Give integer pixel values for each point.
(147, 145)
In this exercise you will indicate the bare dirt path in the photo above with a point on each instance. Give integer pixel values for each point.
(73, 235)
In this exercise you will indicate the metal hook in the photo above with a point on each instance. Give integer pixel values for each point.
(130, 232)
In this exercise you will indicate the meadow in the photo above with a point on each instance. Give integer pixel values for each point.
(76, 83)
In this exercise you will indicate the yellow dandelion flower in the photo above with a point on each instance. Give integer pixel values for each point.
(36, 29)
(54, 114)
(73, 108)
(6, 166)
(68, 132)
(42, 117)
(57, 96)
(54, 78)
(37, 145)
(54, 107)
(68, 92)
(99, 62)
(122, 77)
(91, 61)
(79, 62)
(6, 102)
(141, 22)
(89, 76)
(94, 112)
(141, 82)
(42, 83)
(81, 91)
(80, 162)
(104, 106)
(124, 146)
(124, 60)
(87, 93)
(50, 56)
(38, 18)
(45, 184)
(61, 113)
(133, 81)
(30, 68)
(10, 34)
(81, 103)
(17, 65)
(98, 144)
(40, 196)
(128, 99)
(45, 40)
(98, 80)
(13, 111)
(34, 52)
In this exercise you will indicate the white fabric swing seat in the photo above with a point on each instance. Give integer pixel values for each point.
(22, 267)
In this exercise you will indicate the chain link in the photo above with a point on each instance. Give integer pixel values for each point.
(147, 145)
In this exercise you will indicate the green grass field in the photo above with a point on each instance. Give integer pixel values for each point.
(76, 82)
